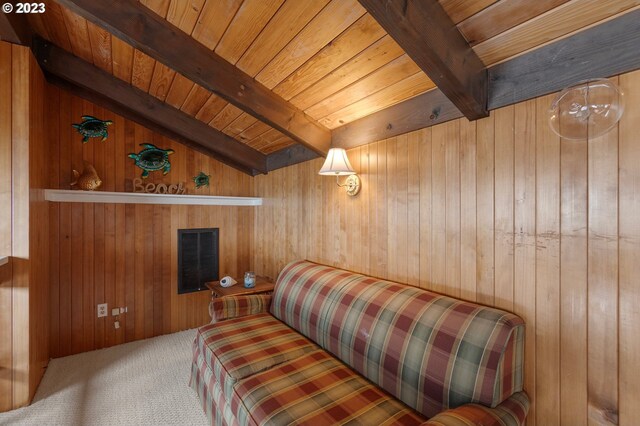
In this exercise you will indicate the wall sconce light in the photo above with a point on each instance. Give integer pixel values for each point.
(337, 164)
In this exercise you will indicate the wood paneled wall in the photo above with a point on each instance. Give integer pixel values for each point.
(24, 349)
(126, 255)
(503, 212)
(38, 225)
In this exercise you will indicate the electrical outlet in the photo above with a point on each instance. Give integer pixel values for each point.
(102, 310)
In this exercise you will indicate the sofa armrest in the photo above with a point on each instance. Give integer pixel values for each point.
(223, 308)
(511, 412)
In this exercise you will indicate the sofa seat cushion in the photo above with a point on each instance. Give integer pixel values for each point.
(317, 389)
(239, 347)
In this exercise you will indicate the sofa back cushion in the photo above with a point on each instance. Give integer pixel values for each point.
(432, 352)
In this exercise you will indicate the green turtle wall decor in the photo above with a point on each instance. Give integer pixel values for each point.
(152, 158)
(201, 180)
(92, 127)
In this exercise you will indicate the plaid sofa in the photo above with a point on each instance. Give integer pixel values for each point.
(334, 347)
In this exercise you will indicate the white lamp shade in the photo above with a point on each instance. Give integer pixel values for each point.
(337, 163)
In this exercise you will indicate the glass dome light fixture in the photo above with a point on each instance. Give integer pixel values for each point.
(587, 109)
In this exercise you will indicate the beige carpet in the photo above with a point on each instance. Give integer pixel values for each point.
(138, 383)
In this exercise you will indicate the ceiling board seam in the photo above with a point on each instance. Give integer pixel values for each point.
(228, 25)
(258, 36)
(488, 10)
(541, 17)
(319, 52)
(289, 42)
(376, 109)
(252, 41)
(262, 133)
(350, 105)
(328, 73)
(565, 36)
(66, 27)
(349, 86)
(326, 7)
(348, 63)
(197, 18)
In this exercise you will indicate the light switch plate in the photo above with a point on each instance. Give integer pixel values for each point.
(115, 312)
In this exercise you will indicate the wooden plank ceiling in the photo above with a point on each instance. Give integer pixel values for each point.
(329, 58)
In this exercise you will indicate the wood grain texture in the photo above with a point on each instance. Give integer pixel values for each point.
(248, 22)
(355, 39)
(431, 39)
(459, 10)
(574, 278)
(80, 42)
(292, 44)
(502, 210)
(533, 74)
(382, 78)
(123, 255)
(6, 272)
(15, 28)
(214, 20)
(292, 17)
(501, 16)
(289, 156)
(38, 228)
(405, 89)
(525, 233)
(336, 17)
(5, 150)
(547, 393)
(485, 184)
(424, 110)
(100, 42)
(553, 25)
(375, 56)
(122, 55)
(504, 207)
(602, 51)
(146, 109)
(629, 253)
(24, 286)
(167, 44)
(603, 269)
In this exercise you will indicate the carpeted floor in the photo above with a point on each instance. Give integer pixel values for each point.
(138, 383)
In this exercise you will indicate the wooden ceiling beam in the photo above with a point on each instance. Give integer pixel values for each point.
(605, 50)
(425, 110)
(289, 156)
(14, 27)
(429, 36)
(96, 85)
(153, 35)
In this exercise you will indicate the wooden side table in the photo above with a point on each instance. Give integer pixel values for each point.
(263, 285)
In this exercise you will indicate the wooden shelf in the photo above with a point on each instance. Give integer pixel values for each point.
(263, 285)
(69, 196)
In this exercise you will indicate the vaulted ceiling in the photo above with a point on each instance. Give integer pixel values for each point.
(308, 66)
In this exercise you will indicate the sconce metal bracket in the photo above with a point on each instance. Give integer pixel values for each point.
(352, 184)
